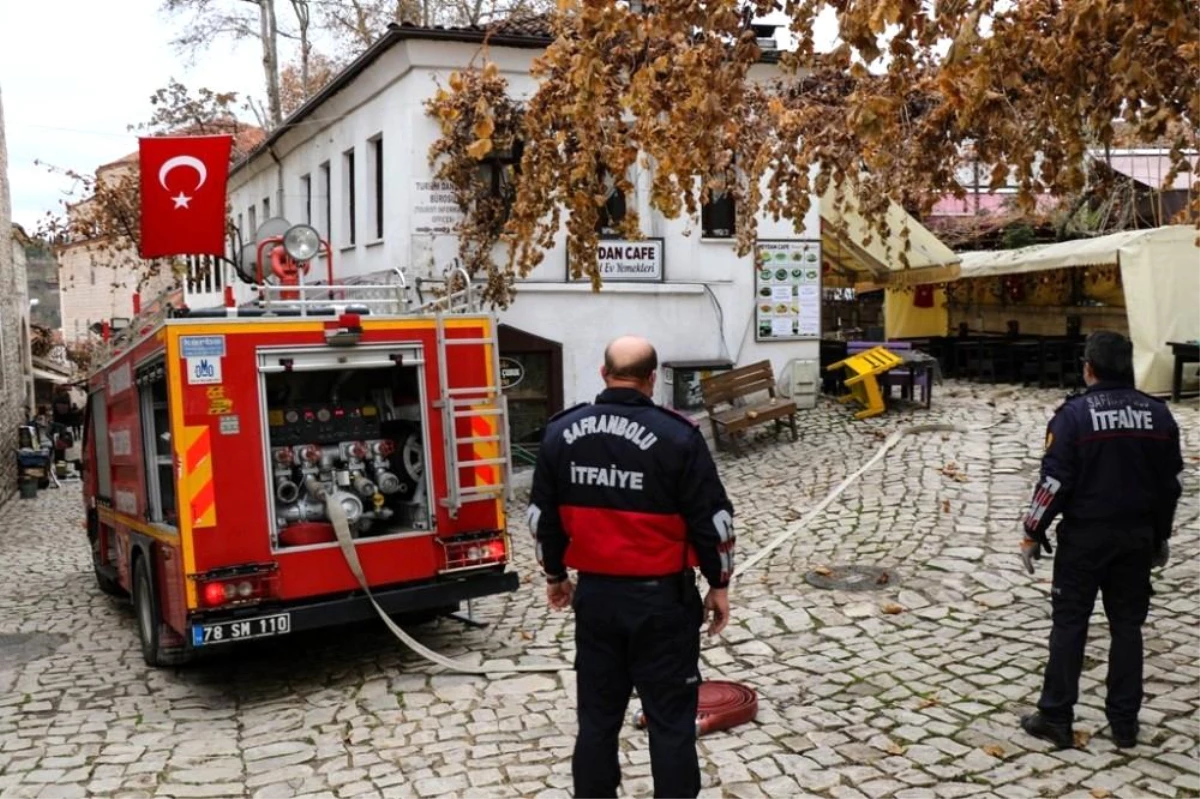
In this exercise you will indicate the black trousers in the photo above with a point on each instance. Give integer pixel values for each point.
(643, 634)
(1117, 563)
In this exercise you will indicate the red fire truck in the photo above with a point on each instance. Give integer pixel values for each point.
(215, 438)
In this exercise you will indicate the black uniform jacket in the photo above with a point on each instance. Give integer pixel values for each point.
(624, 487)
(1112, 460)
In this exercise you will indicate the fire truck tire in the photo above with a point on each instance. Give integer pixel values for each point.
(149, 621)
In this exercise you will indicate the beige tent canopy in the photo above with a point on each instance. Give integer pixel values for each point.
(1160, 272)
(844, 236)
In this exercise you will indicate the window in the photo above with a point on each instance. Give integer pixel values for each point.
(375, 199)
(349, 209)
(718, 216)
(203, 273)
(323, 192)
(499, 172)
(156, 438)
(306, 194)
(253, 224)
(266, 208)
(612, 213)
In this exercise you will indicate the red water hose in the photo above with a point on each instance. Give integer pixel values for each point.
(722, 705)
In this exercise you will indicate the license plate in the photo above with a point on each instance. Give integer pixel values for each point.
(242, 629)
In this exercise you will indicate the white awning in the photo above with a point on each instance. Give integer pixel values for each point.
(1100, 251)
(1160, 277)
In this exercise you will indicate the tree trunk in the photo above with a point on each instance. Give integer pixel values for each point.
(269, 31)
(302, 20)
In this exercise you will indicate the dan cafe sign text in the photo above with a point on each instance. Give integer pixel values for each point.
(628, 260)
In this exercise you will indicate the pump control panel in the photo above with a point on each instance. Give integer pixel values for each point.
(323, 423)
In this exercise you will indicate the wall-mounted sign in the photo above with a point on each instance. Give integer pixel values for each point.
(787, 290)
(435, 209)
(512, 372)
(628, 260)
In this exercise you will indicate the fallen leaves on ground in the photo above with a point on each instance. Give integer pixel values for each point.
(995, 750)
(894, 748)
(1100, 793)
(883, 579)
(1081, 739)
(945, 506)
(952, 471)
(929, 701)
(891, 608)
(824, 571)
(528, 636)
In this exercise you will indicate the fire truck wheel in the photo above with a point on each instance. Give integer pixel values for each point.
(145, 605)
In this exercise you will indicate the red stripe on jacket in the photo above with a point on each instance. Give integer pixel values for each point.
(625, 543)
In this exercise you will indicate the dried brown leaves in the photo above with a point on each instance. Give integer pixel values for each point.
(667, 98)
(480, 125)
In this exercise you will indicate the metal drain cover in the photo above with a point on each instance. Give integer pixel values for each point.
(16, 649)
(851, 578)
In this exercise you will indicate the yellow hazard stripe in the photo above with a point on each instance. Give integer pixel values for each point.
(199, 495)
(481, 427)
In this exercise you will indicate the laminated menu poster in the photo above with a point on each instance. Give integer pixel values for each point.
(787, 290)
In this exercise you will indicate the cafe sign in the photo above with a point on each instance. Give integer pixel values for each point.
(512, 372)
(628, 260)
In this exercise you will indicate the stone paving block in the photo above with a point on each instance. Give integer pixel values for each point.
(356, 715)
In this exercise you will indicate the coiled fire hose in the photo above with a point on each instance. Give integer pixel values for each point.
(720, 703)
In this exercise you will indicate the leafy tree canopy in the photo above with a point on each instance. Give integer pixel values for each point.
(911, 90)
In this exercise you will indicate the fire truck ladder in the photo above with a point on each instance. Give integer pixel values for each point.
(471, 402)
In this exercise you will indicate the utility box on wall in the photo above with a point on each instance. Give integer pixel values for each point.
(682, 381)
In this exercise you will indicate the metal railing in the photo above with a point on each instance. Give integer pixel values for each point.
(385, 294)
(390, 296)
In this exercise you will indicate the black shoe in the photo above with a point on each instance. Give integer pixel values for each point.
(1125, 735)
(1037, 725)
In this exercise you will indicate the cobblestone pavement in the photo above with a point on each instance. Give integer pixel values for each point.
(855, 701)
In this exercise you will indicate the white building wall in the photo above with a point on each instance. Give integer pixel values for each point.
(703, 308)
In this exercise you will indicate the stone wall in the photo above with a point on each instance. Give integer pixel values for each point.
(14, 346)
(41, 269)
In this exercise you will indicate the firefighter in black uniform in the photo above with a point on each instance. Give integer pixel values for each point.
(626, 493)
(1111, 469)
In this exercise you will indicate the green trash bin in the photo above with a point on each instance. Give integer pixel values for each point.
(28, 487)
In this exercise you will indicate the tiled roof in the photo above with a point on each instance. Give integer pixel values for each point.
(534, 26)
(524, 25)
(245, 139)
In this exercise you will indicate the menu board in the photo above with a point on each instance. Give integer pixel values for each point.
(787, 290)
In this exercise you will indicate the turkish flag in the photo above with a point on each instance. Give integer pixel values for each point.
(183, 194)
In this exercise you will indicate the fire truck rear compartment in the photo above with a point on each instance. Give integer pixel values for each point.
(355, 435)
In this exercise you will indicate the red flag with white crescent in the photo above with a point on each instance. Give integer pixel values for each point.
(183, 182)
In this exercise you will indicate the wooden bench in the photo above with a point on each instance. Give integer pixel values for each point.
(725, 399)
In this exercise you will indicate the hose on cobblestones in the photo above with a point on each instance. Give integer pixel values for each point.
(740, 706)
(341, 528)
(820, 507)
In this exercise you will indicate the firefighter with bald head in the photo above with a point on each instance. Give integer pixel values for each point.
(1111, 470)
(626, 493)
